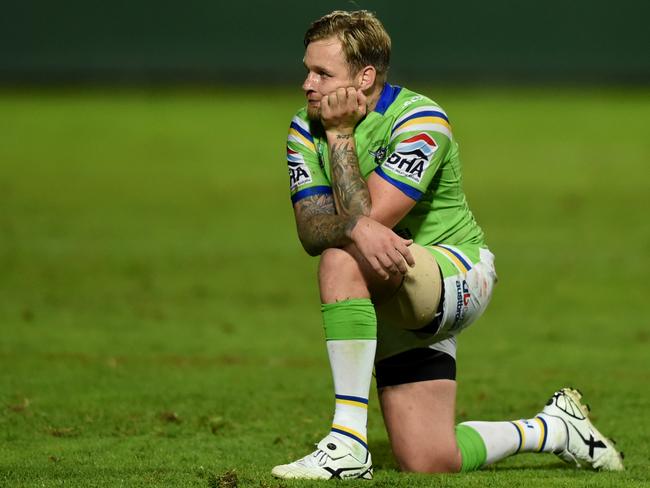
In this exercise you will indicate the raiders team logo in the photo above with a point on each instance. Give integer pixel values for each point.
(379, 154)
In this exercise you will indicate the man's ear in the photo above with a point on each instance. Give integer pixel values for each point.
(367, 77)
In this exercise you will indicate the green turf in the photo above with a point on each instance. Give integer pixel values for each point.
(159, 322)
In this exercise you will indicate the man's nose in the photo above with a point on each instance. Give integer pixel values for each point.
(309, 82)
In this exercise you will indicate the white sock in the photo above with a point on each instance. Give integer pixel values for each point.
(352, 362)
(543, 433)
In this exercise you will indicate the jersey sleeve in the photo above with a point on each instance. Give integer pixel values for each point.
(419, 142)
(306, 175)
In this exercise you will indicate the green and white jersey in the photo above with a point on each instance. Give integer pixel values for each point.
(407, 140)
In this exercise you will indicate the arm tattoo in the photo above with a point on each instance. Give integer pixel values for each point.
(326, 221)
(350, 189)
(319, 227)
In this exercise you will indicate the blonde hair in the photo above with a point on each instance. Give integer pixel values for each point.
(363, 38)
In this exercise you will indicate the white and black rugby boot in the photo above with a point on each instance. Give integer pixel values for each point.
(585, 446)
(332, 459)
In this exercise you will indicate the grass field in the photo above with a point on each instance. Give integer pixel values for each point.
(159, 322)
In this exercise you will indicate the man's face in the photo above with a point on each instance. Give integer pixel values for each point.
(327, 70)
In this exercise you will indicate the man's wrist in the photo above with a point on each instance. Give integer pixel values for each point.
(338, 134)
(352, 223)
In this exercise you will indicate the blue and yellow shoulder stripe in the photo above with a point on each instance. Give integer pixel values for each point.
(427, 118)
(299, 133)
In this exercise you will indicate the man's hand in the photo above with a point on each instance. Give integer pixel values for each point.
(343, 109)
(384, 250)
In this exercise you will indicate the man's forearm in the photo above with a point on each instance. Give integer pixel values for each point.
(350, 189)
(319, 227)
(326, 231)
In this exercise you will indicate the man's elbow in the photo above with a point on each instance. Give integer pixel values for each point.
(312, 251)
(310, 248)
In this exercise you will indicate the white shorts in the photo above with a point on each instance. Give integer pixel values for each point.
(469, 277)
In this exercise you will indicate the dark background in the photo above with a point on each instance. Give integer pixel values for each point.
(256, 42)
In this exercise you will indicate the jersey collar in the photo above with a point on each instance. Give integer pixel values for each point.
(388, 95)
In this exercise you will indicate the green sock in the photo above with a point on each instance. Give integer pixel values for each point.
(351, 333)
(472, 448)
(349, 320)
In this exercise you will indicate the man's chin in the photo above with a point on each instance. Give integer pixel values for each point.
(313, 113)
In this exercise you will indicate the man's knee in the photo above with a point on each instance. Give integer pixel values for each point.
(436, 456)
(432, 461)
(340, 277)
(344, 272)
(337, 262)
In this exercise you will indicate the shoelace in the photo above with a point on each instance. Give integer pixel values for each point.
(316, 458)
(321, 457)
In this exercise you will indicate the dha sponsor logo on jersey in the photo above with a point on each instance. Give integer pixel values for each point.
(412, 156)
(298, 170)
